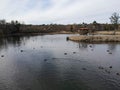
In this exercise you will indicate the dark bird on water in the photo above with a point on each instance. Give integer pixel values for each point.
(90, 46)
(2, 55)
(21, 50)
(110, 67)
(65, 53)
(74, 52)
(45, 59)
(100, 67)
(110, 52)
(117, 73)
(84, 69)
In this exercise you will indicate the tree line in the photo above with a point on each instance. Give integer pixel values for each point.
(14, 27)
(9, 27)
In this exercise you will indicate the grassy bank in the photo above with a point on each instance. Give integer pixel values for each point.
(106, 33)
(96, 38)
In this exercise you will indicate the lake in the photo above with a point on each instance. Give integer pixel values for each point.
(50, 62)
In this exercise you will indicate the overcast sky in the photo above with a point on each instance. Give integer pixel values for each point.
(58, 11)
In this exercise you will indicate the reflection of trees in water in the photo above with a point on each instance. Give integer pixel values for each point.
(112, 47)
(85, 46)
(13, 40)
(2, 43)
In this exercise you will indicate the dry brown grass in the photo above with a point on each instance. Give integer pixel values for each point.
(96, 38)
(107, 33)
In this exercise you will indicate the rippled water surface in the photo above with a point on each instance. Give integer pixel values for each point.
(49, 62)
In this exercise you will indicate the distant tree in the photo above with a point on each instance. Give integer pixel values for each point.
(3, 21)
(15, 26)
(71, 28)
(106, 27)
(16, 22)
(12, 22)
(95, 25)
(84, 25)
(94, 22)
(115, 20)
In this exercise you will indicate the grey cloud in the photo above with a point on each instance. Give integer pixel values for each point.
(58, 11)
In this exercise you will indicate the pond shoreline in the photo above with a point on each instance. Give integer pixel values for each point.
(32, 34)
(95, 38)
(34, 61)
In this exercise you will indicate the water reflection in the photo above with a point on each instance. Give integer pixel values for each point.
(4, 41)
(42, 64)
(112, 47)
(86, 46)
(83, 45)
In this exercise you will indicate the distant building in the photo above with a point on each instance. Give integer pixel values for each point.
(83, 31)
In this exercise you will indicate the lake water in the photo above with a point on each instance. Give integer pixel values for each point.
(49, 62)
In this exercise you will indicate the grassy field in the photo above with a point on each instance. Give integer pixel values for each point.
(99, 36)
(107, 32)
(96, 38)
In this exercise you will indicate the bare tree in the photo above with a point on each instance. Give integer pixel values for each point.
(115, 21)
(3, 21)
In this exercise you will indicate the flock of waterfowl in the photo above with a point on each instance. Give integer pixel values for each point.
(108, 71)
(100, 67)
